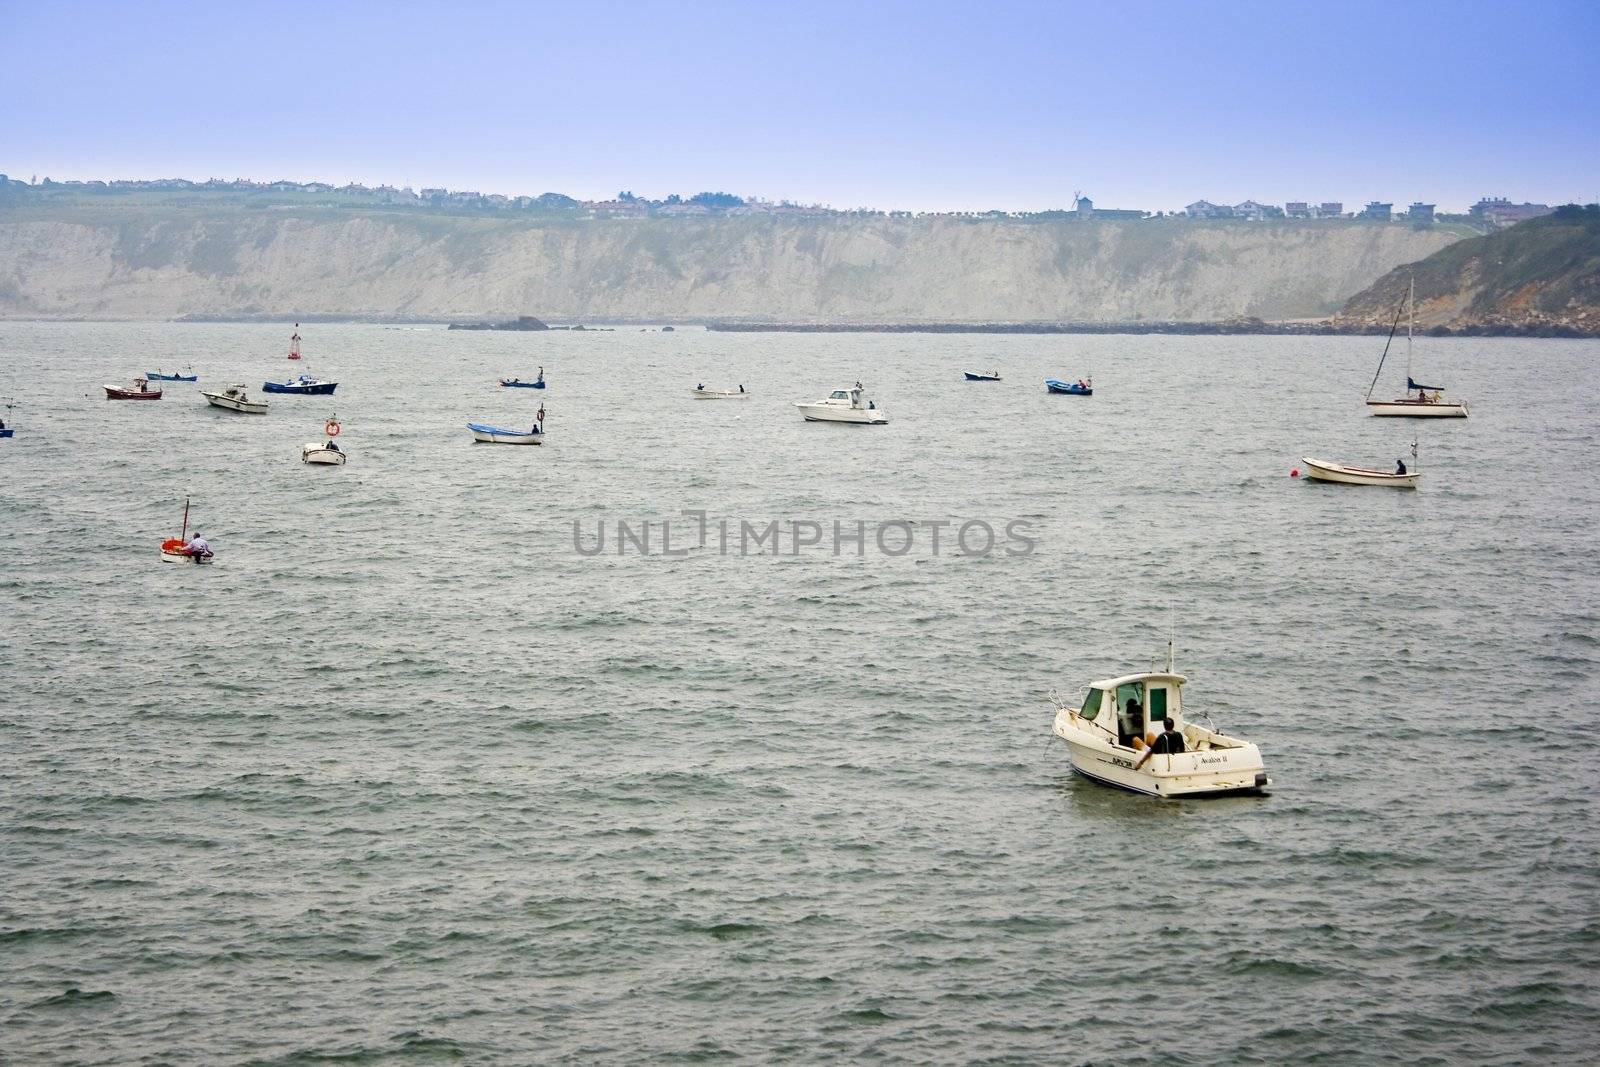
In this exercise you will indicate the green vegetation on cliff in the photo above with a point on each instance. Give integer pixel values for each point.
(1541, 276)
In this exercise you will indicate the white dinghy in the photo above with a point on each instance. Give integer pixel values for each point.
(500, 435)
(845, 405)
(1119, 721)
(1321, 470)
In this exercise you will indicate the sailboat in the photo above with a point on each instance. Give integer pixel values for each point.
(173, 549)
(1429, 402)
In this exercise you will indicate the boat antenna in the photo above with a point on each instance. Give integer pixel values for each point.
(1169, 638)
(1386, 344)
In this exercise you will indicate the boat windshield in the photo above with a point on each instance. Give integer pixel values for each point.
(1091, 704)
(839, 394)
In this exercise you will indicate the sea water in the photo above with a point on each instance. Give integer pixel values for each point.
(413, 775)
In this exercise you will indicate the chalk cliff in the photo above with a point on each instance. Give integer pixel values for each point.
(159, 264)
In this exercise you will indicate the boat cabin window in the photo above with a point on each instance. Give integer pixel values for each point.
(1091, 704)
(1129, 725)
(839, 394)
(1156, 705)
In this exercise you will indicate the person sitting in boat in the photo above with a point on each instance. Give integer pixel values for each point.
(1132, 721)
(741, 388)
(1170, 742)
(332, 445)
(700, 388)
(1399, 466)
(197, 546)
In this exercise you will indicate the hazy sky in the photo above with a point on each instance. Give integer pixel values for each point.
(911, 105)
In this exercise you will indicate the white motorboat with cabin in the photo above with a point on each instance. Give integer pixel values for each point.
(1429, 401)
(845, 405)
(1118, 722)
(700, 392)
(234, 398)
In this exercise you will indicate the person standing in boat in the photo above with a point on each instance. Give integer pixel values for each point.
(1169, 743)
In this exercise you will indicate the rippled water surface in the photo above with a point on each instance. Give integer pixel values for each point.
(405, 777)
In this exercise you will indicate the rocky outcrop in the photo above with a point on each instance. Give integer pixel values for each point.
(199, 263)
(1539, 278)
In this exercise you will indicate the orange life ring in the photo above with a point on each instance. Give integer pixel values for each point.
(331, 428)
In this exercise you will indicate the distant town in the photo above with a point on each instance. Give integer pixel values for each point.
(1487, 213)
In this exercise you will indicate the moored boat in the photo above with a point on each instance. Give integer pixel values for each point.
(234, 398)
(518, 383)
(1112, 733)
(141, 391)
(1321, 470)
(1429, 401)
(294, 342)
(1081, 387)
(157, 376)
(700, 392)
(328, 453)
(304, 385)
(7, 431)
(982, 376)
(499, 435)
(845, 405)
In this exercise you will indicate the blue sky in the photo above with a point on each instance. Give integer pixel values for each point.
(925, 106)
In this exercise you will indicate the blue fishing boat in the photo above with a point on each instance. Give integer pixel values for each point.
(982, 376)
(518, 383)
(305, 385)
(1081, 387)
(157, 376)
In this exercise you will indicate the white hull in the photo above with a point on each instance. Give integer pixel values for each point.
(718, 394)
(180, 557)
(1216, 765)
(838, 413)
(229, 403)
(1323, 471)
(328, 457)
(494, 438)
(1416, 409)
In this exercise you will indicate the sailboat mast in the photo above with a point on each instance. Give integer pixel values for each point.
(185, 534)
(1411, 324)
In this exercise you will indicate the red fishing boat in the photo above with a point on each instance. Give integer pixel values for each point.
(143, 392)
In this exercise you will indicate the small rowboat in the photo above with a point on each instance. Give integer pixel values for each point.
(234, 398)
(1081, 387)
(157, 376)
(518, 383)
(495, 435)
(700, 392)
(984, 376)
(1320, 470)
(144, 392)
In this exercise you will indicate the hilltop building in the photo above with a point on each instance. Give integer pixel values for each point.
(1420, 212)
(1377, 211)
(1086, 210)
(1498, 211)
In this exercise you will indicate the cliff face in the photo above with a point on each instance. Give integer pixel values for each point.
(164, 264)
(1541, 276)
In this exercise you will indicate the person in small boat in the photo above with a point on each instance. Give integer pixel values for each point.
(1399, 466)
(741, 388)
(1170, 743)
(332, 445)
(197, 546)
(700, 388)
